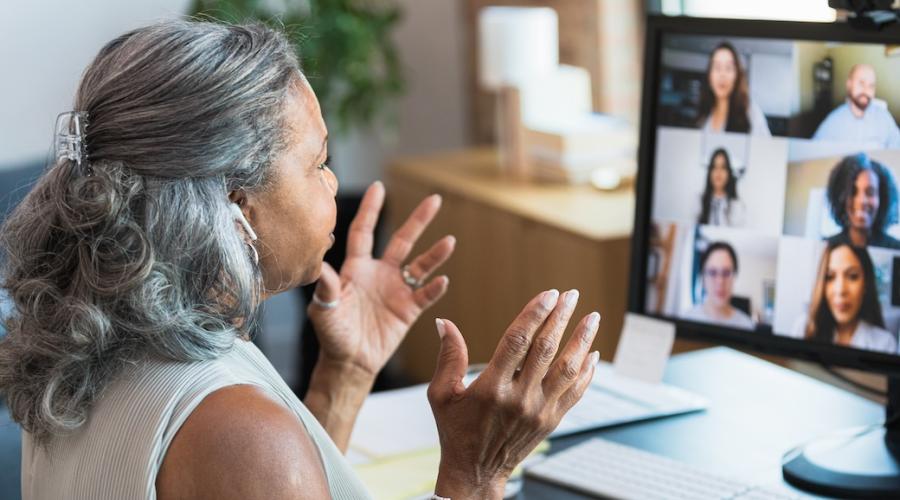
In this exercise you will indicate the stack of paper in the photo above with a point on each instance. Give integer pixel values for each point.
(570, 150)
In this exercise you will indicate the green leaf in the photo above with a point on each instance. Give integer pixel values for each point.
(345, 46)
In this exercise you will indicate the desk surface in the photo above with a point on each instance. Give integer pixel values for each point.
(476, 174)
(757, 412)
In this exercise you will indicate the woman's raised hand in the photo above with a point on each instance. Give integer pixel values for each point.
(488, 428)
(362, 313)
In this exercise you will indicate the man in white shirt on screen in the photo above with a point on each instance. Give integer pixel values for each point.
(862, 118)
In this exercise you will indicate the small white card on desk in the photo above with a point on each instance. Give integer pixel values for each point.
(644, 348)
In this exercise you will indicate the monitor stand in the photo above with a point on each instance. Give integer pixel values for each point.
(862, 462)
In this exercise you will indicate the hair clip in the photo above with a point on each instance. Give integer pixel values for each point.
(70, 130)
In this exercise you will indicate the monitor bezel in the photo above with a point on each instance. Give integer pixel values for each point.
(774, 344)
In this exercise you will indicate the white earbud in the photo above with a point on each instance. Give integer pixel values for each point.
(239, 216)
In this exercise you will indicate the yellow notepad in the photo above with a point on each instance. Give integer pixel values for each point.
(409, 475)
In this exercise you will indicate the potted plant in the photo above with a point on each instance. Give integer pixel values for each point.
(345, 47)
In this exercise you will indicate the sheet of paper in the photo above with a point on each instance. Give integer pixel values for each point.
(644, 348)
(395, 422)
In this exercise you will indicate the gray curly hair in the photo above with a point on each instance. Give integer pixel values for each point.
(137, 254)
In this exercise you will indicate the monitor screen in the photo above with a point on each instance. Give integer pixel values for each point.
(768, 198)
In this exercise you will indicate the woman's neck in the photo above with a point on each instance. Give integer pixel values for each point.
(718, 192)
(843, 334)
(720, 113)
(858, 237)
(723, 311)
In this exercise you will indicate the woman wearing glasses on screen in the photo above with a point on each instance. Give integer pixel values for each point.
(719, 203)
(863, 199)
(725, 104)
(844, 307)
(718, 268)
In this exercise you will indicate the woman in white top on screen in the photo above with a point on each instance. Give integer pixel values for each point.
(725, 104)
(718, 268)
(719, 203)
(844, 309)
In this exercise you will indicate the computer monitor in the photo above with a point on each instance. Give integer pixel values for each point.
(767, 197)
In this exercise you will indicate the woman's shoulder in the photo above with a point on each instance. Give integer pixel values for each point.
(695, 313)
(872, 337)
(740, 318)
(758, 123)
(885, 240)
(242, 442)
(798, 328)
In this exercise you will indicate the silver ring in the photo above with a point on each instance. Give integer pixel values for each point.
(325, 305)
(408, 278)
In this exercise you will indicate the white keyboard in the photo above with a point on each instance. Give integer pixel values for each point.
(609, 470)
(613, 399)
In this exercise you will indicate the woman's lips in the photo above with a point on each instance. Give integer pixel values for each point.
(843, 307)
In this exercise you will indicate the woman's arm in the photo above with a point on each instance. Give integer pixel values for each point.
(240, 443)
(372, 309)
(336, 394)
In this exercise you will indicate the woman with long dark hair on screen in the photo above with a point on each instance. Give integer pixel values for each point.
(725, 104)
(863, 199)
(718, 270)
(719, 203)
(844, 308)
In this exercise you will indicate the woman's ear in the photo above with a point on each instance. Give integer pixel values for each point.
(240, 198)
(240, 207)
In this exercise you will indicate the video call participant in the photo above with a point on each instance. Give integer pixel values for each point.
(863, 199)
(861, 118)
(719, 203)
(718, 268)
(844, 308)
(725, 104)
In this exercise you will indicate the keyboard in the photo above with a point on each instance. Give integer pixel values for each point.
(613, 399)
(605, 469)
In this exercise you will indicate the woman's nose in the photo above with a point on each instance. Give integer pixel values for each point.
(332, 180)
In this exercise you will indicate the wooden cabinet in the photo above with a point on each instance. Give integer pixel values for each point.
(514, 239)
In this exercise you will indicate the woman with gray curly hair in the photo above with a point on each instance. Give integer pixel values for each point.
(190, 187)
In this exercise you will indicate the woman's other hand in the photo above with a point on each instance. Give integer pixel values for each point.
(375, 307)
(487, 429)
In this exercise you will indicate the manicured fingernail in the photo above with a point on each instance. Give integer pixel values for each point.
(441, 327)
(571, 298)
(549, 299)
(595, 357)
(593, 320)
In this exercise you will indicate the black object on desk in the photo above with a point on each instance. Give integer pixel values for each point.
(757, 411)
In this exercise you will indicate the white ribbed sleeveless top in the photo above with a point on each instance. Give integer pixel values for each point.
(117, 453)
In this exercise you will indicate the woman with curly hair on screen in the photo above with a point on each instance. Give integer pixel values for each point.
(862, 195)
